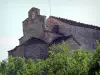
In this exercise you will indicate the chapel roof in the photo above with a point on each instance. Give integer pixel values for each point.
(75, 23)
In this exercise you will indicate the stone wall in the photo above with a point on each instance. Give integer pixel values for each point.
(85, 36)
(33, 48)
(35, 51)
(36, 48)
(18, 51)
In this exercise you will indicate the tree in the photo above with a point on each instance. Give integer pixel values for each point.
(64, 61)
(95, 63)
(16, 66)
(3, 67)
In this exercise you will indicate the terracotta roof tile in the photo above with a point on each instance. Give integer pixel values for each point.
(71, 22)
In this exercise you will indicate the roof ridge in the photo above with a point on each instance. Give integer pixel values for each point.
(72, 22)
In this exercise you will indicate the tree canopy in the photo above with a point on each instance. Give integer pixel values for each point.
(61, 61)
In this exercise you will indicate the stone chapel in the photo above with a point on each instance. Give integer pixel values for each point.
(40, 33)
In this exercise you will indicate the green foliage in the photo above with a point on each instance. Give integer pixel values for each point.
(16, 66)
(95, 63)
(64, 61)
(3, 67)
(61, 61)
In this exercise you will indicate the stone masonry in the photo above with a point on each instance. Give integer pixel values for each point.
(39, 34)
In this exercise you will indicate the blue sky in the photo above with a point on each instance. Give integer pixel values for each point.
(13, 12)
